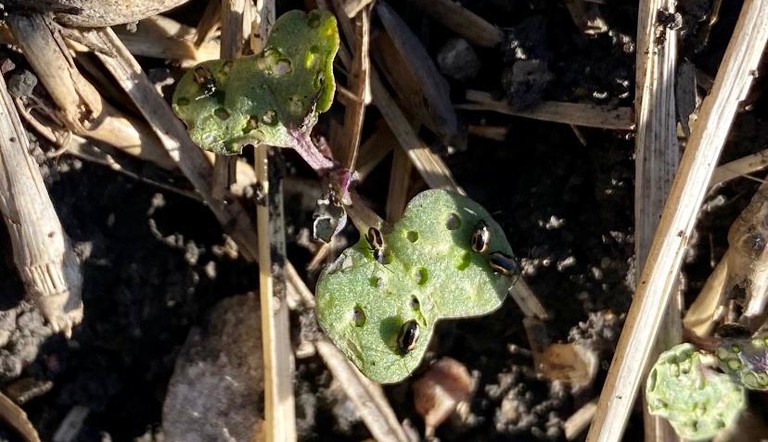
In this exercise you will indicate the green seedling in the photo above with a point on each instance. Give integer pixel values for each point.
(698, 401)
(746, 360)
(272, 98)
(380, 300)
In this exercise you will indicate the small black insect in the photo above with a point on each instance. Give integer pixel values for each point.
(376, 243)
(503, 264)
(407, 337)
(205, 79)
(481, 236)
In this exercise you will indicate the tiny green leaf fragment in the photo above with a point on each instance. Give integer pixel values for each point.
(698, 401)
(382, 313)
(273, 97)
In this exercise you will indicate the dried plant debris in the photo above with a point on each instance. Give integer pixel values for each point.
(272, 98)
(93, 13)
(698, 401)
(16, 418)
(571, 363)
(440, 390)
(744, 266)
(379, 301)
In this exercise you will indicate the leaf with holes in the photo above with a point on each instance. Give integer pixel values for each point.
(745, 360)
(698, 401)
(379, 304)
(273, 97)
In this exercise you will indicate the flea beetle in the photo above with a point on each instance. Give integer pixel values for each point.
(407, 337)
(205, 79)
(503, 264)
(376, 242)
(480, 237)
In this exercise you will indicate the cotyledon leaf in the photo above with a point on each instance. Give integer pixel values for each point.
(698, 402)
(273, 97)
(429, 272)
(746, 360)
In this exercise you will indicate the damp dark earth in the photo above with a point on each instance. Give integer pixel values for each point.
(165, 285)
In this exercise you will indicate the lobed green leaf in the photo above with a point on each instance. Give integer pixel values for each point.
(273, 97)
(698, 402)
(430, 272)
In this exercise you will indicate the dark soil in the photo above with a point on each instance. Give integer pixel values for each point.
(155, 262)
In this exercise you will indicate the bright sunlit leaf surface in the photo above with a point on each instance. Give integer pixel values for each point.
(273, 97)
(382, 313)
(698, 401)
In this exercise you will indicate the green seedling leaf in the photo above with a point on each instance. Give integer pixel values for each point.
(380, 300)
(746, 360)
(698, 402)
(273, 97)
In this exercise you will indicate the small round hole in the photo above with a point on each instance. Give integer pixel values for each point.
(464, 260)
(375, 282)
(250, 125)
(412, 236)
(269, 117)
(422, 276)
(221, 113)
(358, 316)
(453, 222)
(313, 19)
(415, 304)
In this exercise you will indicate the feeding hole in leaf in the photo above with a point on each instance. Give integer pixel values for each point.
(269, 117)
(313, 20)
(282, 67)
(209, 138)
(221, 113)
(415, 304)
(453, 222)
(318, 80)
(422, 276)
(268, 62)
(375, 282)
(412, 236)
(464, 260)
(358, 316)
(251, 124)
(295, 104)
